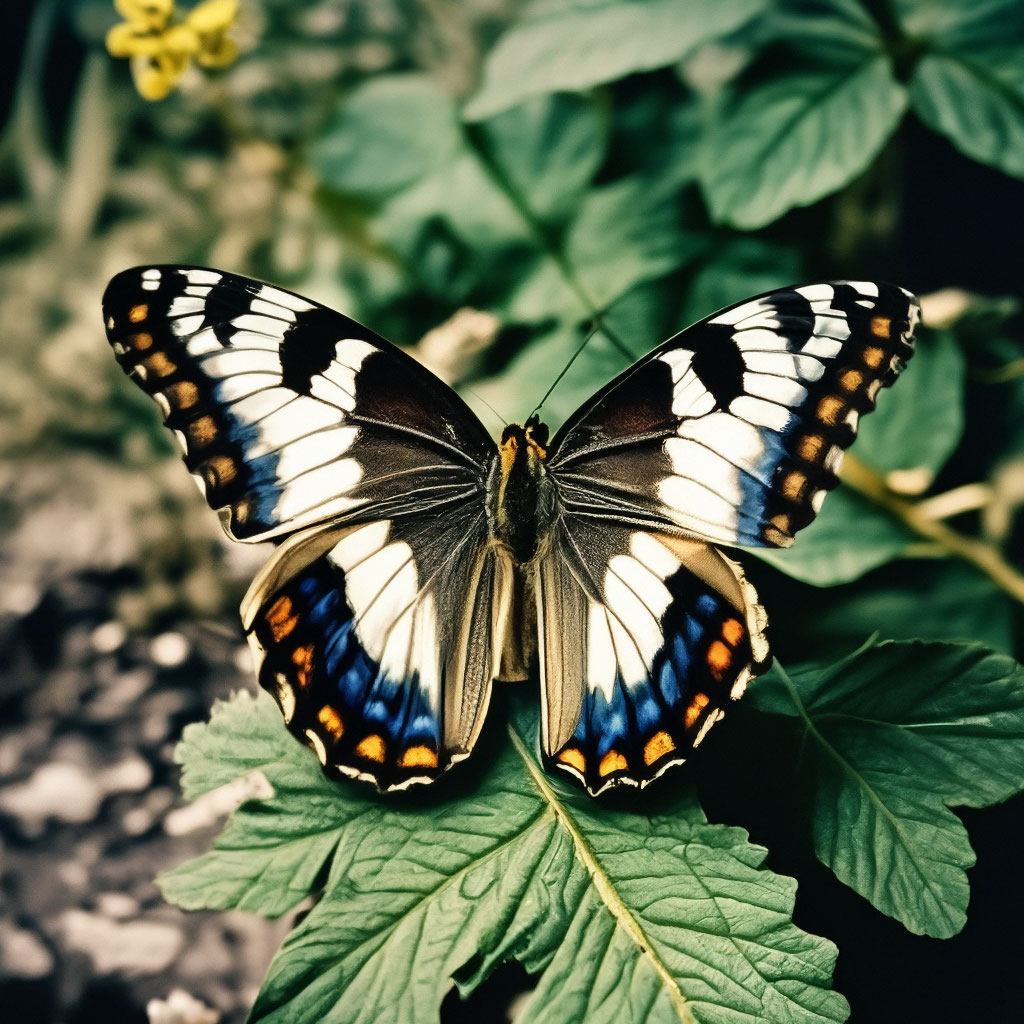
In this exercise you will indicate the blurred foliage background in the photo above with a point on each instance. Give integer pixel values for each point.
(484, 182)
(635, 165)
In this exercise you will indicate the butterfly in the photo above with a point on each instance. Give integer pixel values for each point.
(418, 562)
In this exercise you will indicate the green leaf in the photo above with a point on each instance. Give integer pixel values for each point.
(977, 102)
(548, 148)
(969, 81)
(812, 115)
(814, 624)
(654, 917)
(739, 267)
(850, 537)
(895, 736)
(627, 232)
(920, 423)
(572, 45)
(388, 133)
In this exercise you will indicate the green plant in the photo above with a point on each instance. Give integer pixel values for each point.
(632, 166)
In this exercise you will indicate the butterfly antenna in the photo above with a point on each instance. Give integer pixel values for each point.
(596, 326)
(483, 401)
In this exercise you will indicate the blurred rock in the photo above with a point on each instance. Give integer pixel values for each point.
(169, 650)
(180, 1008)
(23, 954)
(130, 775)
(59, 790)
(117, 905)
(140, 819)
(108, 637)
(133, 947)
(119, 696)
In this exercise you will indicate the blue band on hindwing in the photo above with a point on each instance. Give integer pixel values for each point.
(326, 665)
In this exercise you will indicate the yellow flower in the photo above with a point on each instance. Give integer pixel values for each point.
(160, 52)
(146, 15)
(210, 21)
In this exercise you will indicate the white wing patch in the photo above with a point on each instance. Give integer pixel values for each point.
(395, 619)
(717, 448)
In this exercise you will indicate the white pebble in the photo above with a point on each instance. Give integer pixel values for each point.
(107, 638)
(169, 650)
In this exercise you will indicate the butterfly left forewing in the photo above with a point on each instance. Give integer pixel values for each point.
(644, 639)
(379, 622)
(288, 413)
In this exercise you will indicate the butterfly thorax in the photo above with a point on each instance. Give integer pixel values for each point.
(518, 490)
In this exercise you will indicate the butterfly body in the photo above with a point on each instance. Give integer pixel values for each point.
(418, 561)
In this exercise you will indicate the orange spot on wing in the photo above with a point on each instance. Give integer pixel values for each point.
(183, 394)
(202, 431)
(418, 757)
(809, 447)
(881, 326)
(142, 341)
(658, 746)
(873, 356)
(697, 705)
(372, 748)
(219, 470)
(331, 721)
(158, 363)
(138, 313)
(732, 631)
(613, 761)
(574, 758)
(280, 618)
(719, 656)
(850, 380)
(303, 660)
(830, 409)
(793, 485)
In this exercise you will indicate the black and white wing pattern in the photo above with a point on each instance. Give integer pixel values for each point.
(733, 430)
(379, 622)
(732, 433)
(381, 651)
(644, 637)
(289, 413)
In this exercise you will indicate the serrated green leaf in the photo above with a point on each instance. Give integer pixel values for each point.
(572, 45)
(628, 916)
(919, 425)
(814, 624)
(388, 133)
(850, 537)
(894, 736)
(799, 136)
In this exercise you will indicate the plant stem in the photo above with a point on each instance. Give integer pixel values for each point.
(982, 556)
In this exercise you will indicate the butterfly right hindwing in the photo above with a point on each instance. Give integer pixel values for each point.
(644, 639)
